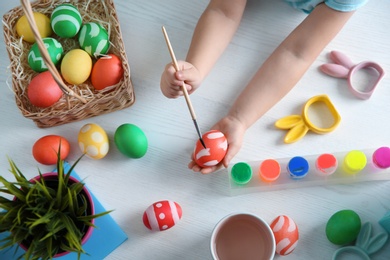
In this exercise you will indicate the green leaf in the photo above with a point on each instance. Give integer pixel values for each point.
(73, 234)
(16, 172)
(12, 189)
(21, 213)
(43, 219)
(42, 186)
(71, 203)
(90, 217)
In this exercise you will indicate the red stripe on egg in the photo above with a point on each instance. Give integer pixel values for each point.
(163, 214)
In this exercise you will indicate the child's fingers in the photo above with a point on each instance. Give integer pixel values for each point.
(208, 170)
(193, 166)
(188, 75)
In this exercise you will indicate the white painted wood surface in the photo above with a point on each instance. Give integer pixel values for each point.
(130, 185)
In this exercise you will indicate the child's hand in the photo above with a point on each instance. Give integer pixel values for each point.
(172, 81)
(234, 131)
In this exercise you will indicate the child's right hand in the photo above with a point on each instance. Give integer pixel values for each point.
(172, 81)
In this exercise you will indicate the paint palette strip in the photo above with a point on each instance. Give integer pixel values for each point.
(312, 170)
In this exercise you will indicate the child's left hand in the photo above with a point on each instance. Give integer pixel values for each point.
(234, 132)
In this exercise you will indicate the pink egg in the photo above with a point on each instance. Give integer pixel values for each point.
(286, 234)
(215, 151)
(162, 215)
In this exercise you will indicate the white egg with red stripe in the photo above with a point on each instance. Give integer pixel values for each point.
(216, 147)
(286, 234)
(162, 215)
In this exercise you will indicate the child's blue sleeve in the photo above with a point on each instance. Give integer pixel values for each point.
(340, 5)
(345, 5)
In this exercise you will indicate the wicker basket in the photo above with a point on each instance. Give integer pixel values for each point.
(81, 101)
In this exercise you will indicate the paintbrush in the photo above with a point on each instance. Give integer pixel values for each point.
(186, 96)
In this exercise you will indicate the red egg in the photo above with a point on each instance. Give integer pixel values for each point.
(106, 72)
(215, 151)
(45, 150)
(162, 215)
(286, 234)
(43, 91)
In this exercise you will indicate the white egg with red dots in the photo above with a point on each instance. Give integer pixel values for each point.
(162, 215)
(93, 141)
(216, 147)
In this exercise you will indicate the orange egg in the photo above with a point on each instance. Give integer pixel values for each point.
(286, 234)
(43, 91)
(215, 151)
(46, 148)
(106, 72)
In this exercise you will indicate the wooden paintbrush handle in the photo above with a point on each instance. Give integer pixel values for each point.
(174, 61)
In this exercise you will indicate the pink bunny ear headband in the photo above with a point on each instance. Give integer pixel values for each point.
(343, 67)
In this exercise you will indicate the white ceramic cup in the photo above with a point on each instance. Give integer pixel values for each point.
(242, 236)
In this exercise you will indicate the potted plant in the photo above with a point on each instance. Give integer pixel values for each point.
(49, 215)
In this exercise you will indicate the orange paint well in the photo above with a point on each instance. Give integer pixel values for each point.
(269, 170)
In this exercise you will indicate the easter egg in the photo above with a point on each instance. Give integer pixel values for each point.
(76, 66)
(131, 141)
(93, 141)
(93, 38)
(162, 215)
(54, 49)
(45, 149)
(215, 151)
(106, 72)
(286, 234)
(343, 227)
(43, 91)
(23, 28)
(66, 20)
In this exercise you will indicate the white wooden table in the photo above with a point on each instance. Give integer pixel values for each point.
(130, 185)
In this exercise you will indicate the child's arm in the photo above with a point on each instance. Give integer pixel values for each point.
(212, 34)
(287, 64)
(278, 75)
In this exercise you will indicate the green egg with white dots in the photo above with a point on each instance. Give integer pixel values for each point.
(54, 49)
(66, 20)
(93, 38)
(131, 141)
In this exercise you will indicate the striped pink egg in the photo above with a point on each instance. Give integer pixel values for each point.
(162, 215)
(215, 151)
(286, 234)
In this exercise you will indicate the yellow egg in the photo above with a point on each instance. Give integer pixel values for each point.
(93, 141)
(23, 28)
(76, 66)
